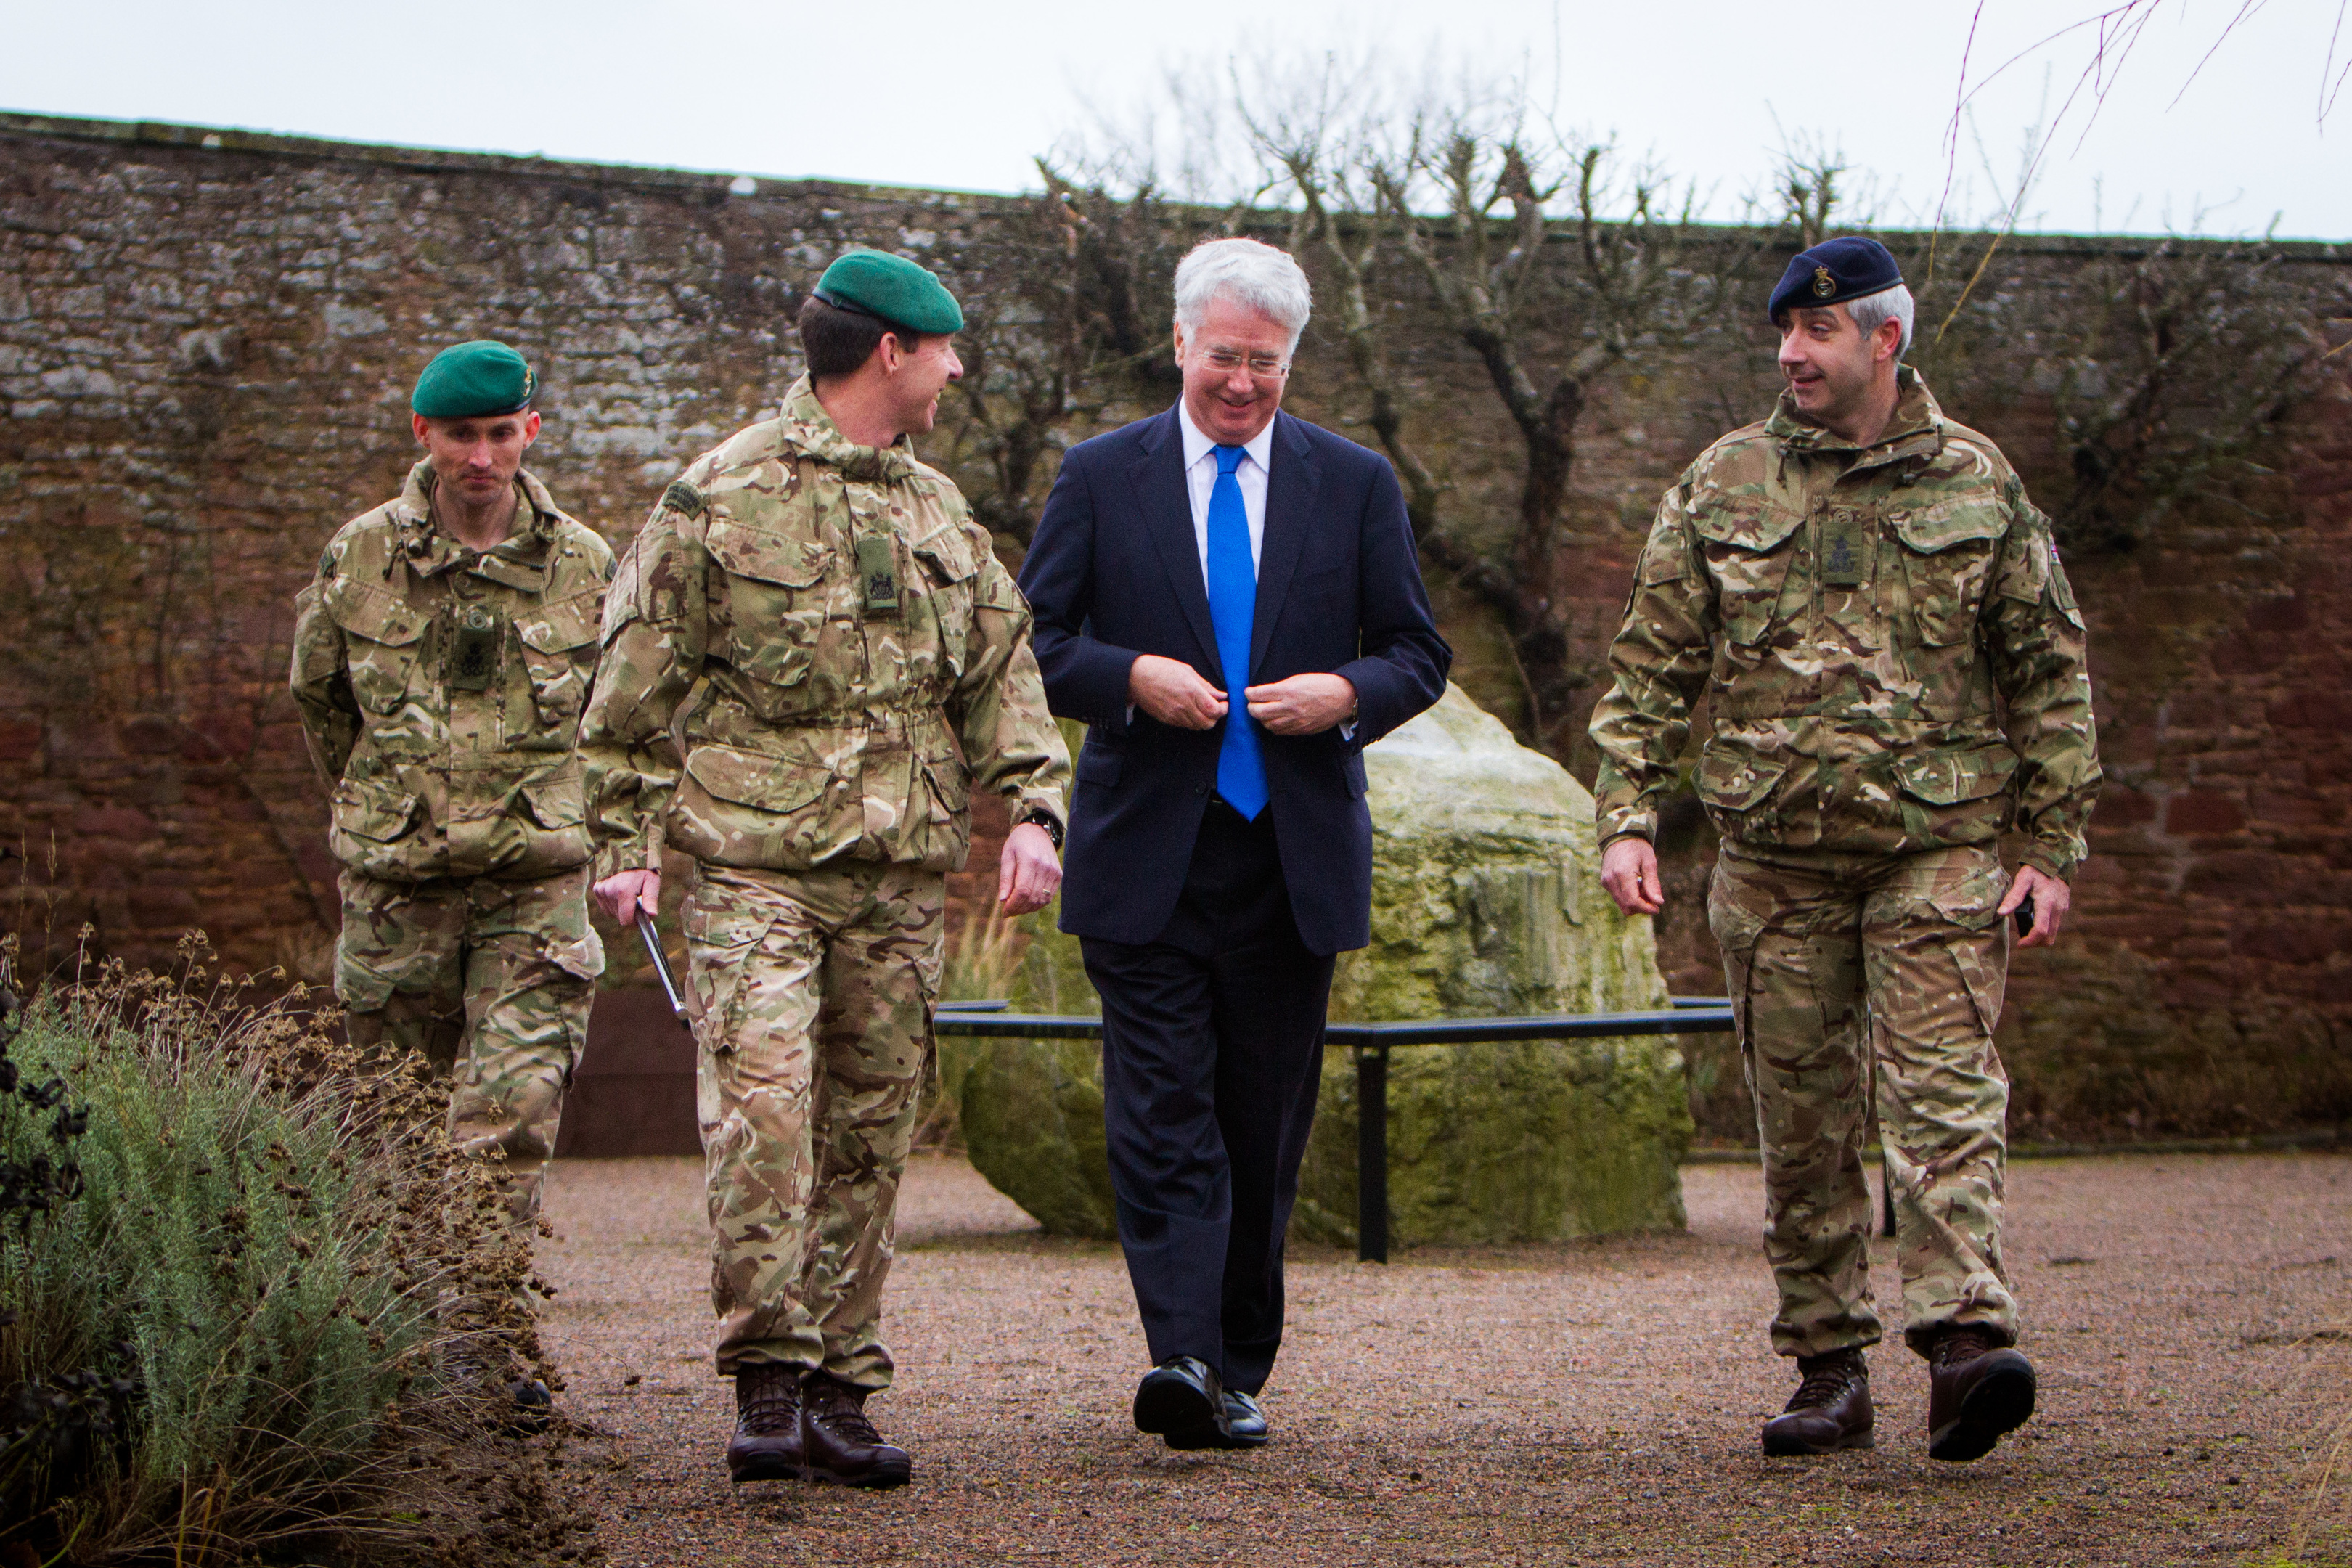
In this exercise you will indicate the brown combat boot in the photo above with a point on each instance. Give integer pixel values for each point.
(841, 1445)
(1977, 1390)
(767, 1442)
(1831, 1409)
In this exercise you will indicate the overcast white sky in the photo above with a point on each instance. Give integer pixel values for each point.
(961, 94)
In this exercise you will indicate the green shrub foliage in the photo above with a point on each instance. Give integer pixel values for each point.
(243, 1276)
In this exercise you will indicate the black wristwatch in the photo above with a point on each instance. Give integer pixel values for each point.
(1044, 819)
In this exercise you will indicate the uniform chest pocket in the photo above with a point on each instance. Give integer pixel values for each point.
(777, 592)
(1948, 560)
(558, 650)
(382, 635)
(947, 565)
(1747, 543)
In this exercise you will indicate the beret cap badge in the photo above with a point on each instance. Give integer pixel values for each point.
(1834, 272)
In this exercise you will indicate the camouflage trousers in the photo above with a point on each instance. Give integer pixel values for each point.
(814, 991)
(1829, 955)
(488, 980)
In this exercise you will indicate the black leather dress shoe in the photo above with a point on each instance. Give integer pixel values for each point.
(1183, 1401)
(1977, 1390)
(1831, 1409)
(1244, 1422)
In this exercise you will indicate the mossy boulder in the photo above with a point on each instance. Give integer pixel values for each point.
(1485, 899)
(1031, 1110)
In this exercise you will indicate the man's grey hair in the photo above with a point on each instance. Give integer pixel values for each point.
(1256, 276)
(1893, 304)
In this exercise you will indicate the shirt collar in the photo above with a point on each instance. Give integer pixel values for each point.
(807, 425)
(430, 551)
(1197, 445)
(1916, 424)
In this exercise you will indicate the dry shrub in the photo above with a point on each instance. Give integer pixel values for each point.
(248, 1292)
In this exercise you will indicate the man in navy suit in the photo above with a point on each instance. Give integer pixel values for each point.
(1220, 851)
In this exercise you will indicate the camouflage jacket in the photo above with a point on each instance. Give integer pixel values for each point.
(811, 653)
(1849, 614)
(440, 689)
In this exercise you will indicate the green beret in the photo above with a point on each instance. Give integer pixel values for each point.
(874, 283)
(474, 381)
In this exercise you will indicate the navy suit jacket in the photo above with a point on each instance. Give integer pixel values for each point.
(1115, 571)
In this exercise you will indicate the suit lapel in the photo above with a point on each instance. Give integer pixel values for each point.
(1166, 505)
(1291, 481)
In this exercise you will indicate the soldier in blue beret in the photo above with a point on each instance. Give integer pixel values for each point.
(1851, 583)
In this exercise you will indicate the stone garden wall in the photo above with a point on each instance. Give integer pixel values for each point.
(206, 344)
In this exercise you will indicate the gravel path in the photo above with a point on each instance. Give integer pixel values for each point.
(1580, 1404)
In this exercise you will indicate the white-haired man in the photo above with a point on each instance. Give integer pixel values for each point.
(1228, 596)
(1850, 582)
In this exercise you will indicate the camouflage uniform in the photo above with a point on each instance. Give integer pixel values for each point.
(1850, 615)
(439, 691)
(811, 655)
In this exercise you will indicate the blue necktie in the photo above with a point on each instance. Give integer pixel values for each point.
(1233, 606)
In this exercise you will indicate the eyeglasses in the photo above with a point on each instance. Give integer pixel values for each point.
(1266, 367)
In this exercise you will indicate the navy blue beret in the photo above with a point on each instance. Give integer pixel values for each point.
(1834, 272)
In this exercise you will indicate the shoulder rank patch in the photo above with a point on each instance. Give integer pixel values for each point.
(683, 498)
(327, 562)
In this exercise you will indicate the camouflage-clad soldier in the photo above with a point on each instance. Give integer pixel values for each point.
(1851, 584)
(441, 657)
(811, 658)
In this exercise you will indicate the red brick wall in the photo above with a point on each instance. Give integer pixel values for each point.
(205, 353)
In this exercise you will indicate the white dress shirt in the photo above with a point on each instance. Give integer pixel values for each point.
(1201, 482)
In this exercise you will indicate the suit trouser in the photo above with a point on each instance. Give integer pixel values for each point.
(1813, 943)
(491, 981)
(1211, 1056)
(816, 990)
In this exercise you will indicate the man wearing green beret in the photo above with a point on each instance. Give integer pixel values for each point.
(441, 656)
(812, 656)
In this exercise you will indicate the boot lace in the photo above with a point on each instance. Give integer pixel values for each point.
(842, 1414)
(769, 1400)
(1825, 1382)
(1958, 1345)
